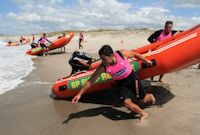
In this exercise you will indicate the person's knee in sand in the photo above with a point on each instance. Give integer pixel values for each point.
(128, 85)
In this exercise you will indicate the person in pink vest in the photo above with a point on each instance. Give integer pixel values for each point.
(81, 39)
(42, 41)
(160, 35)
(129, 86)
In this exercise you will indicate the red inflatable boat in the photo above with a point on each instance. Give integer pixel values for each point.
(56, 44)
(178, 52)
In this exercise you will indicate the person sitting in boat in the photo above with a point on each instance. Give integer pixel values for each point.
(9, 42)
(80, 61)
(128, 83)
(22, 39)
(160, 35)
(63, 34)
(42, 41)
(33, 44)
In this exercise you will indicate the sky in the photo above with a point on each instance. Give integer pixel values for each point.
(36, 16)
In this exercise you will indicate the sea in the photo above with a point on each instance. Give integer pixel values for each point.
(14, 66)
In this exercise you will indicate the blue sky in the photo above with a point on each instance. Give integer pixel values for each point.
(33, 16)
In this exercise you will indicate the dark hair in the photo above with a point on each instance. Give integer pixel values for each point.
(168, 22)
(106, 50)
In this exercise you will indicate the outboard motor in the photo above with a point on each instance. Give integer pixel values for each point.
(80, 61)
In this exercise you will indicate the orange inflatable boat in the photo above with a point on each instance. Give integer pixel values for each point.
(55, 44)
(178, 52)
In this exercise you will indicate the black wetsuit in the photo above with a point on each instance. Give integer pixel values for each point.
(76, 65)
(156, 34)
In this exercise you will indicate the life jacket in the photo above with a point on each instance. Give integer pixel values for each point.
(121, 70)
(162, 36)
(42, 41)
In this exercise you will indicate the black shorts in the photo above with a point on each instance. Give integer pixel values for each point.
(130, 87)
(43, 45)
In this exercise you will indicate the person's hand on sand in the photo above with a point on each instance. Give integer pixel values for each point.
(76, 98)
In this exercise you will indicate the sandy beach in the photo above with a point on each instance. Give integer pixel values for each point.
(29, 109)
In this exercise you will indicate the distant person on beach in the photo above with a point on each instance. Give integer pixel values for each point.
(33, 38)
(81, 39)
(33, 44)
(128, 84)
(42, 41)
(63, 34)
(160, 35)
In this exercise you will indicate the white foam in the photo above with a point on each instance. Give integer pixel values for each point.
(3, 42)
(14, 65)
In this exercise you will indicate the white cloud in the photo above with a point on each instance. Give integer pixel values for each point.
(196, 19)
(47, 2)
(91, 14)
(187, 3)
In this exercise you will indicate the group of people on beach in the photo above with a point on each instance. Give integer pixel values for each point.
(129, 86)
(42, 42)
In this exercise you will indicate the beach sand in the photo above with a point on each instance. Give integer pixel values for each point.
(29, 109)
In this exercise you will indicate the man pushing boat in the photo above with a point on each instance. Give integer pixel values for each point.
(128, 83)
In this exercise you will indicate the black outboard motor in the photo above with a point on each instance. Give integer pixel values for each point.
(80, 61)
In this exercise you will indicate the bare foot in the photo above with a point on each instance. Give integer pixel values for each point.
(143, 116)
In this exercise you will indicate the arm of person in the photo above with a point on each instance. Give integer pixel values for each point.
(174, 32)
(155, 35)
(39, 40)
(131, 54)
(84, 63)
(48, 41)
(89, 83)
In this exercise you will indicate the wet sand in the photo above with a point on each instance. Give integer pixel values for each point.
(29, 109)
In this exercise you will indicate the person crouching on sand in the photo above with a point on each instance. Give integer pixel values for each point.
(42, 41)
(128, 83)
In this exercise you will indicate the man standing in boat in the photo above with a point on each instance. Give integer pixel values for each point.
(128, 83)
(162, 34)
